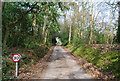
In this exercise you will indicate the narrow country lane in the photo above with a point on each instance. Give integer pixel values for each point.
(62, 66)
(63, 39)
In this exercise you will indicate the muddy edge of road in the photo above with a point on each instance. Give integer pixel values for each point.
(91, 69)
(37, 69)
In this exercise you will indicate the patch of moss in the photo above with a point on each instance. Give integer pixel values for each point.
(108, 61)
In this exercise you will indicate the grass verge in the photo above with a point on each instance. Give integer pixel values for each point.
(107, 61)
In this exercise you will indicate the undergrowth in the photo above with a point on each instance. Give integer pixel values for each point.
(107, 61)
(29, 56)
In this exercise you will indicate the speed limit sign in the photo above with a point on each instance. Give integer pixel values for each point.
(16, 57)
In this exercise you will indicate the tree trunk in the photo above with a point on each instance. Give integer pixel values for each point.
(91, 34)
(34, 23)
(2, 5)
(118, 30)
(44, 27)
(45, 38)
(91, 23)
(70, 31)
(5, 37)
(65, 22)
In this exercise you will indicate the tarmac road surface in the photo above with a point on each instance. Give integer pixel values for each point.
(62, 66)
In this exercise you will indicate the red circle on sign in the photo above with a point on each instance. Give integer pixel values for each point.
(16, 55)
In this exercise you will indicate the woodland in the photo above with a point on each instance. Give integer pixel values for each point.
(89, 29)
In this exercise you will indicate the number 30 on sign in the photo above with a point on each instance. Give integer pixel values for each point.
(16, 57)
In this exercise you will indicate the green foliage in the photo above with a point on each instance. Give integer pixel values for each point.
(18, 28)
(7, 62)
(64, 36)
(21, 33)
(64, 40)
(108, 61)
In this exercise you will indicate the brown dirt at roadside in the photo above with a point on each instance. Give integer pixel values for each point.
(35, 70)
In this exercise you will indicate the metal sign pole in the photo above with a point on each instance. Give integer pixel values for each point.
(16, 58)
(16, 69)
